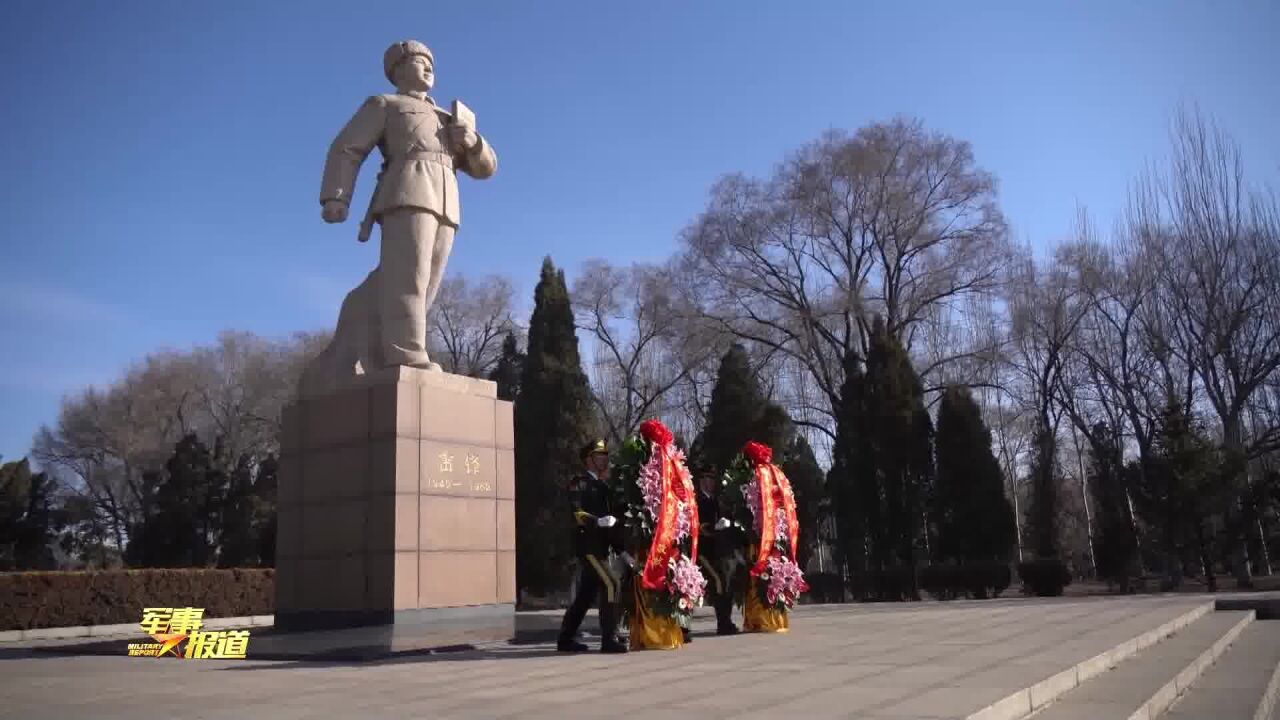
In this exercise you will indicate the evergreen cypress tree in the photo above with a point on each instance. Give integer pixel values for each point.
(189, 499)
(1115, 543)
(238, 544)
(897, 467)
(974, 518)
(248, 531)
(807, 480)
(737, 413)
(1180, 488)
(1042, 511)
(1047, 574)
(26, 518)
(509, 368)
(553, 419)
(265, 487)
(847, 477)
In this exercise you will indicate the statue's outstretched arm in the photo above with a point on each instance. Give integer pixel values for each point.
(350, 148)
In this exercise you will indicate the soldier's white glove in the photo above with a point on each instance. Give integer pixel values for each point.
(607, 521)
(723, 523)
(630, 561)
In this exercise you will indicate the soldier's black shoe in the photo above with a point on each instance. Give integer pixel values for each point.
(688, 636)
(571, 646)
(613, 647)
(727, 630)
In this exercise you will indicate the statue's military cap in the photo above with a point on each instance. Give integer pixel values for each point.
(595, 446)
(400, 52)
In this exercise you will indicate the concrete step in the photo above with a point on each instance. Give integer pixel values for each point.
(1242, 685)
(1144, 686)
(1033, 698)
(1265, 604)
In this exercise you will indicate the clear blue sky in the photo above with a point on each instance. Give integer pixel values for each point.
(162, 159)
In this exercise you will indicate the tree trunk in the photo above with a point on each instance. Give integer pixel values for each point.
(1206, 560)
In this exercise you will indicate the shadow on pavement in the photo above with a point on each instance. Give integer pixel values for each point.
(515, 653)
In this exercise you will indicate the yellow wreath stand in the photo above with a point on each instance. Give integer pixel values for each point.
(758, 618)
(648, 630)
(755, 616)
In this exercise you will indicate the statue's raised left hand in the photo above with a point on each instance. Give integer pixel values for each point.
(463, 138)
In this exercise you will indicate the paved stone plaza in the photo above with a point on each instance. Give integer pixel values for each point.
(921, 660)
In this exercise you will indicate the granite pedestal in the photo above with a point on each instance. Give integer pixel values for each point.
(397, 511)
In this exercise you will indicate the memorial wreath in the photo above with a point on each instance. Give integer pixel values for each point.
(661, 521)
(762, 496)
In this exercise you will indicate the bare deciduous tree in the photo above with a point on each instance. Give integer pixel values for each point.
(641, 351)
(468, 323)
(1216, 245)
(892, 220)
(231, 392)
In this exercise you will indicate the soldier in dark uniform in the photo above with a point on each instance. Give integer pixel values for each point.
(594, 535)
(715, 547)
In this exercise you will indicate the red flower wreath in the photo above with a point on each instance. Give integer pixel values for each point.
(655, 432)
(757, 453)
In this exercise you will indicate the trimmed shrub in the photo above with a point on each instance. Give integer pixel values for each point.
(892, 584)
(1044, 577)
(991, 579)
(824, 588)
(31, 600)
(942, 582)
(974, 580)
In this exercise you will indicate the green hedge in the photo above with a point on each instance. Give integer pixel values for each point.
(31, 600)
(1044, 577)
(891, 584)
(980, 580)
(824, 588)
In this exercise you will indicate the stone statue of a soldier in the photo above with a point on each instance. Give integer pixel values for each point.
(383, 322)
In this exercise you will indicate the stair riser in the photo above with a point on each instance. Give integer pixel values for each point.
(1021, 704)
(1269, 698)
(1169, 692)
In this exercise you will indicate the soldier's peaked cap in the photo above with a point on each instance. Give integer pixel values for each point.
(595, 446)
(402, 51)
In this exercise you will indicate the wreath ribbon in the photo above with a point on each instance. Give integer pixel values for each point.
(677, 488)
(775, 490)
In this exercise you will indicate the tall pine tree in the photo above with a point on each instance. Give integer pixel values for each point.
(265, 493)
(738, 412)
(553, 419)
(882, 470)
(1181, 488)
(854, 516)
(1046, 500)
(900, 460)
(189, 502)
(238, 546)
(1115, 542)
(27, 524)
(508, 370)
(248, 533)
(973, 515)
(807, 482)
